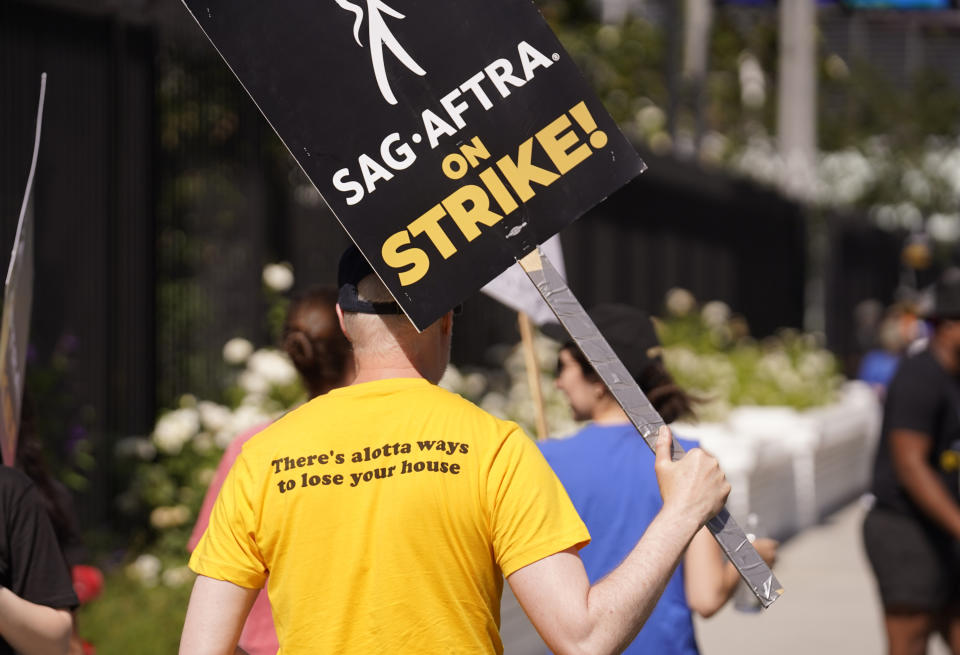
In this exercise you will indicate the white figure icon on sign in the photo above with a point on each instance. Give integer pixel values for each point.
(379, 36)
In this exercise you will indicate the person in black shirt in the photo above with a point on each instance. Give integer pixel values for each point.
(912, 533)
(36, 592)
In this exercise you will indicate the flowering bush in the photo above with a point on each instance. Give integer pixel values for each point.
(171, 469)
(707, 349)
(505, 391)
(915, 192)
(710, 354)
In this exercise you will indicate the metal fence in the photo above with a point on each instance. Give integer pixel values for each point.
(93, 319)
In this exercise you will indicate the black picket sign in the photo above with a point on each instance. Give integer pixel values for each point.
(449, 138)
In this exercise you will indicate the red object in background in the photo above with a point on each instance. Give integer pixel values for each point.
(87, 582)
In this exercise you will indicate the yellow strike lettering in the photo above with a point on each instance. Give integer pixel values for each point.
(454, 166)
(430, 223)
(479, 212)
(474, 151)
(557, 141)
(394, 257)
(498, 190)
(523, 172)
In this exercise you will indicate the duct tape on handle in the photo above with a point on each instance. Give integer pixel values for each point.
(642, 414)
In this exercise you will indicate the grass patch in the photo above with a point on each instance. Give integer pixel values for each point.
(130, 618)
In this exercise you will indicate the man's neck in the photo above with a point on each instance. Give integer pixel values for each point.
(385, 366)
(372, 374)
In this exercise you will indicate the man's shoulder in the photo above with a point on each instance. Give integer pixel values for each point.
(360, 404)
(13, 481)
(918, 367)
(17, 493)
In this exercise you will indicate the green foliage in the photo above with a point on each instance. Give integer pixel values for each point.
(53, 415)
(129, 618)
(710, 354)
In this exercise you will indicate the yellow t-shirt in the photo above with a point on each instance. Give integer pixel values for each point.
(386, 514)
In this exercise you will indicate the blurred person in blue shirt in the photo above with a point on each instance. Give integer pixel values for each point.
(608, 471)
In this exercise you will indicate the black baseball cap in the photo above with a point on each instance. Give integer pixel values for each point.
(353, 268)
(628, 330)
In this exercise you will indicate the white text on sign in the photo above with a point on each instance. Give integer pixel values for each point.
(397, 153)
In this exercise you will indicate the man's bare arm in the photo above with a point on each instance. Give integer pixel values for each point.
(910, 452)
(33, 629)
(215, 617)
(574, 617)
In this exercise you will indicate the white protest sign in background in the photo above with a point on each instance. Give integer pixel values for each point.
(513, 288)
(17, 302)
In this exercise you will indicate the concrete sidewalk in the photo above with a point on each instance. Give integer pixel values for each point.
(830, 605)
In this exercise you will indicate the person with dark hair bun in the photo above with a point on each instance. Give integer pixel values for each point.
(313, 341)
(608, 471)
(321, 354)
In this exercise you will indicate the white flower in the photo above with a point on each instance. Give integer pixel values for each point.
(138, 447)
(205, 476)
(176, 428)
(273, 366)
(203, 442)
(917, 186)
(651, 119)
(713, 147)
(169, 517)
(944, 227)
(495, 403)
(474, 384)
(836, 68)
(253, 383)
(237, 350)
(452, 380)
(242, 419)
(278, 277)
(213, 416)
(715, 313)
(753, 91)
(177, 576)
(608, 37)
(680, 302)
(145, 569)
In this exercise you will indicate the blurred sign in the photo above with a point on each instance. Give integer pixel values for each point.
(449, 138)
(17, 301)
(896, 4)
(860, 4)
(513, 288)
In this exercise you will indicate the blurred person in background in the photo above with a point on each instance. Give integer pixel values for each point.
(36, 593)
(912, 533)
(608, 471)
(321, 353)
(880, 362)
(59, 507)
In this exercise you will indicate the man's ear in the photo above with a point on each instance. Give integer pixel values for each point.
(446, 324)
(343, 327)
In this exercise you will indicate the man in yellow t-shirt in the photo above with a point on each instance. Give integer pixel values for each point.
(388, 512)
